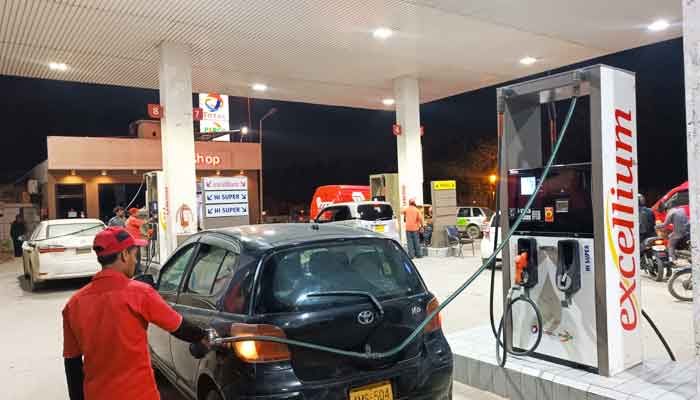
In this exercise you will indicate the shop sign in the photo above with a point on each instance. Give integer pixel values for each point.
(226, 210)
(207, 159)
(224, 197)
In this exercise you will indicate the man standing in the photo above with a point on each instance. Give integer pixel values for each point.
(18, 229)
(677, 218)
(135, 226)
(414, 222)
(118, 219)
(104, 325)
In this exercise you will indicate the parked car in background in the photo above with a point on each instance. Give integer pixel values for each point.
(488, 230)
(332, 194)
(61, 249)
(326, 284)
(676, 197)
(377, 216)
(470, 219)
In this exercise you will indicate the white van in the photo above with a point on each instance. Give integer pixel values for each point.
(377, 216)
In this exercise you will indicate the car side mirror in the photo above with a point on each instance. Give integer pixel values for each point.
(147, 279)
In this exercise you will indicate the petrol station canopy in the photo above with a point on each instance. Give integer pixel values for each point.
(321, 51)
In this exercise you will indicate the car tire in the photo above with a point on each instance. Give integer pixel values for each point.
(24, 267)
(33, 284)
(474, 231)
(213, 395)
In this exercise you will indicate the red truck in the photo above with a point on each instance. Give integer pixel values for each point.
(676, 197)
(331, 194)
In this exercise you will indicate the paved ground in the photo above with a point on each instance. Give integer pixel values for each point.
(30, 344)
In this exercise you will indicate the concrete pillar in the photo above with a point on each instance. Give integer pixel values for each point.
(177, 143)
(410, 151)
(691, 50)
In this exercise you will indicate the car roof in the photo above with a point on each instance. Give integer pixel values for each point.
(71, 221)
(268, 236)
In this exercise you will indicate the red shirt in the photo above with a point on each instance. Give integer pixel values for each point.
(133, 226)
(106, 323)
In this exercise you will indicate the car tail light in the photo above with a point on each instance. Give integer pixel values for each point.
(658, 241)
(258, 351)
(51, 249)
(435, 324)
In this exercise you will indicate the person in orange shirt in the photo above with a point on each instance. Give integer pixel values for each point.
(135, 226)
(414, 223)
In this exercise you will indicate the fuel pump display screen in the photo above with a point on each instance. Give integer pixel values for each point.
(527, 185)
(561, 207)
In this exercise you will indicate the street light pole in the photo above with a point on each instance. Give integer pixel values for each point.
(269, 113)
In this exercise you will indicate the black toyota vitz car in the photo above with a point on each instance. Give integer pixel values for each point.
(329, 285)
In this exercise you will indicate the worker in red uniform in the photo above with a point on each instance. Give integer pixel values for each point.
(136, 227)
(105, 346)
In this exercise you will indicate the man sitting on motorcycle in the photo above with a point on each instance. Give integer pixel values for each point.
(679, 221)
(646, 220)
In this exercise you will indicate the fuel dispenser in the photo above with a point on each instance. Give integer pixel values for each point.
(158, 246)
(574, 256)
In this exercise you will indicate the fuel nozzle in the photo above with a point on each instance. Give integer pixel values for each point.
(520, 265)
(526, 263)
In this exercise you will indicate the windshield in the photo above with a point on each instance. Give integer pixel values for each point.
(375, 212)
(84, 229)
(375, 266)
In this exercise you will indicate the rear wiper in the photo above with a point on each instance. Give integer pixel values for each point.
(357, 293)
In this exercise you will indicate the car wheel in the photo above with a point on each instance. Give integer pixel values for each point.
(473, 231)
(213, 395)
(24, 267)
(33, 284)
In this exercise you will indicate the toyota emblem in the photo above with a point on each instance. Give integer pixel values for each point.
(365, 317)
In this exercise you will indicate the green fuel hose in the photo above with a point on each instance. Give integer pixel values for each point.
(466, 284)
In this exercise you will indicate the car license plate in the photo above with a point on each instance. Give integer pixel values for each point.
(83, 251)
(658, 248)
(378, 391)
(379, 228)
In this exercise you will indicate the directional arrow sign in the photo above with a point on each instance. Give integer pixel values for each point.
(227, 197)
(227, 210)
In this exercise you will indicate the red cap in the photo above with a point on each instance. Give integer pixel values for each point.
(113, 240)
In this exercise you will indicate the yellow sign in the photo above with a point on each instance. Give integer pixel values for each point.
(444, 185)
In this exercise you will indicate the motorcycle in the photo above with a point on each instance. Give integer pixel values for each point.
(654, 258)
(681, 283)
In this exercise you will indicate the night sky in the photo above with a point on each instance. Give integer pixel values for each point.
(309, 145)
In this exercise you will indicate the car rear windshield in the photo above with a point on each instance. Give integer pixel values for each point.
(84, 229)
(375, 212)
(373, 266)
